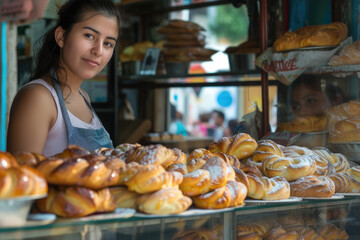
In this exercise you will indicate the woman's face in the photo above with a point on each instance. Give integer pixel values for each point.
(308, 102)
(89, 45)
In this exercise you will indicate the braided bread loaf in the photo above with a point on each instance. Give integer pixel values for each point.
(76, 201)
(91, 171)
(124, 198)
(313, 186)
(230, 195)
(164, 201)
(21, 181)
(148, 178)
(72, 151)
(29, 158)
(240, 145)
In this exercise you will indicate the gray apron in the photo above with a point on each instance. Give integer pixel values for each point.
(89, 139)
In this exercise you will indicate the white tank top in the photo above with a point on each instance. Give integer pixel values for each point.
(57, 140)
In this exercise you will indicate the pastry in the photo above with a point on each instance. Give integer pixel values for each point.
(230, 195)
(124, 198)
(266, 148)
(338, 160)
(309, 36)
(164, 201)
(72, 151)
(240, 145)
(29, 158)
(303, 124)
(268, 188)
(313, 186)
(349, 55)
(7, 160)
(76, 201)
(193, 234)
(148, 178)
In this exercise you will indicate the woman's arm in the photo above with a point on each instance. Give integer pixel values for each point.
(32, 115)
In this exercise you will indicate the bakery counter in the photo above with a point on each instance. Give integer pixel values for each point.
(339, 215)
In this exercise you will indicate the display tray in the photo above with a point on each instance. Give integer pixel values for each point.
(291, 199)
(190, 212)
(334, 197)
(117, 214)
(350, 194)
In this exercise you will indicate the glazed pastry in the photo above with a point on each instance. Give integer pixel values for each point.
(164, 201)
(76, 201)
(148, 178)
(240, 145)
(230, 195)
(29, 158)
(268, 188)
(266, 148)
(338, 160)
(342, 182)
(313, 186)
(21, 181)
(124, 198)
(7, 160)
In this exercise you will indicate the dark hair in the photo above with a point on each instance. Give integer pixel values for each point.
(220, 114)
(70, 13)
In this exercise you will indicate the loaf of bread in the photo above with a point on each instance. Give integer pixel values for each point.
(164, 201)
(240, 145)
(21, 181)
(71, 202)
(148, 178)
(349, 55)
(91, 171)
(230, 195)
(313, 186)
(310, 36)
(303, 124)
(29, 158)
(124, 198)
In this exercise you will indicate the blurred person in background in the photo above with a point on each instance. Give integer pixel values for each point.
(218, 119)
(177, 126)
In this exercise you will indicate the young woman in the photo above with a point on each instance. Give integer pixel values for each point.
(51, 111)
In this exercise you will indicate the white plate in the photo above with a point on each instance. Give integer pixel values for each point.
(190, 212)
(118, 213)
(36, 219)
(334, 197)
(350, 194)
(291, 199)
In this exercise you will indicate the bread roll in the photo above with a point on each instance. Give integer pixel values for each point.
(309, 36)
(338, 160)
(313, 186)
(124, 198)
(7, 160)
(164, 201)
(29, 158)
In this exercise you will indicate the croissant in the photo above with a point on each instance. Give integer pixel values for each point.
(148, 178)
(313, 186)
(164, 201)
(7, 160)
(240, 145)
(93, 174)
(152, 154)
(29, 158)
(76, 201)
(21, 181)
(124, 198)
(212, 175)
(230, 195)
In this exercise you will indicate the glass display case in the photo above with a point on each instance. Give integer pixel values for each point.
(338, 218)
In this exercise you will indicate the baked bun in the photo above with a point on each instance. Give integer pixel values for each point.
(310, 36)
(178, 167)
(152, 154)
(266, 148)
(164, 201)
(268, 188)
(92, 171)
(29, 158)
(330, 231)
(347, 130)
(278, 232)
(21, 181)
(240, 145)
(7, 160)
(148, 178)
(76, 201)
(313, 186)
(338, 160)
(124, 198)
(194, 234)
(342, 182)
(230, 195)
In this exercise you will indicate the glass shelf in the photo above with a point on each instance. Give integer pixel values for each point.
(334, 70)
